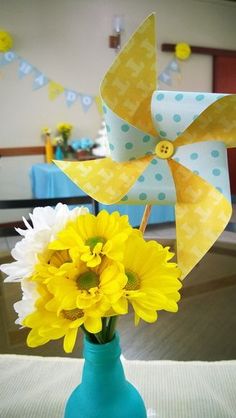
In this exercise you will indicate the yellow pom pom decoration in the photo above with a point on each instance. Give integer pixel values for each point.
(6, 41)
(182, 51)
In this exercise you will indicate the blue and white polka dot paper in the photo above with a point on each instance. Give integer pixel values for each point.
(125, 141)
(173, 111)
(209, 161)
(154, 186)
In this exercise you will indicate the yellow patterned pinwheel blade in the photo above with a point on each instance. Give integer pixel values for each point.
(216, 123)
(103, 179)
(129, 83)
(202, 213)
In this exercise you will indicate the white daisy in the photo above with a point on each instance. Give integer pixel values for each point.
(46, 223)
(25, 306)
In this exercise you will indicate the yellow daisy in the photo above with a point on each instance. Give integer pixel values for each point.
(152, 281)
(91, 238)
(46, 326)
(47, 322)
(74, 285)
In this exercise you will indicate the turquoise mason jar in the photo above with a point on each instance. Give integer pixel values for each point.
(104, 391)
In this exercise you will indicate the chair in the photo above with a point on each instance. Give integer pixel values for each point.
(8, 229)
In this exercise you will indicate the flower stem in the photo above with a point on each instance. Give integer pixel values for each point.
(90, 336)
(106, 334)
(111, 328)
(99, 338)
(104, 328)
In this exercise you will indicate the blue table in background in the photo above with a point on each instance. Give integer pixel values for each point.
(48, 181)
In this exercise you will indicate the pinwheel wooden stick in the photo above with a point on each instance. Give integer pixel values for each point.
(145, 218)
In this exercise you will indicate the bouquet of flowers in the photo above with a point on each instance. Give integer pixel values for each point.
(80, 272)
(46, 131)
(64, 129)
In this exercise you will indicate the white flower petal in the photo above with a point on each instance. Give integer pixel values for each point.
(47, 222)
(25, 306)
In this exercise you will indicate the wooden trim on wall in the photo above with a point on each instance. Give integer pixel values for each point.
(201, 50)
(16, 152)
(24, 151)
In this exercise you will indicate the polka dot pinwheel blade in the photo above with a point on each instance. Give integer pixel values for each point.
(209, 162)
(173, 112)
(128, 85)
(216, 123)
(202, 213)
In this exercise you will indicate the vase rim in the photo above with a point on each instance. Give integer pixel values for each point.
(110, 349)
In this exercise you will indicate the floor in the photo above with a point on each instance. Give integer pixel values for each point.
(203, 329)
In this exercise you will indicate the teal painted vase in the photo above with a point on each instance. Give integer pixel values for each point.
(104, 391)
(59, 153)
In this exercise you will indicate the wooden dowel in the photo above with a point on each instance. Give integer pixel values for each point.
(145, 217)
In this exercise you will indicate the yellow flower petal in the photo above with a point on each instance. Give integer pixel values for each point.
(93, 325)
(147, 315)
(77, 323)
(121, 306)
(69, 340)
(52, 333)
(35, 340)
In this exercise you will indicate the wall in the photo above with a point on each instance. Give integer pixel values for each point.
(68, 41)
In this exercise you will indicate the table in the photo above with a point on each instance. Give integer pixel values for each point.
(47, 180)
(37, 387)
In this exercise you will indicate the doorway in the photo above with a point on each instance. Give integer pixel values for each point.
(224, 81)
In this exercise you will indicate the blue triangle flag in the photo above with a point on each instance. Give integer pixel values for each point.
(174, 66)
(165, 77)
(40, 80)
(86, 101)
(71, 97)
(7, 58)
(24, 69)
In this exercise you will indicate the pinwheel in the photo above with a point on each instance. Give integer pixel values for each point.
(166, 148)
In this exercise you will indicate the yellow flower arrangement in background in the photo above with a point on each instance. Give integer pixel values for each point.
(86, 271)
(64, 128)
(61, 141)
(46, 131)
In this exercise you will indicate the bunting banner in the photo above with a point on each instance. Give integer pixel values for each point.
(40, 80)
(24, 69)
(86, 101)
(166, 75)
(182, 53)
(7, 58)
(71, 97)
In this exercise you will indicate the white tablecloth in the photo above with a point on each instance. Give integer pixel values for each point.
(37, 387)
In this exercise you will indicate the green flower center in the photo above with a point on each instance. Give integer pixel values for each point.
(93, 241)
(133, 280)
(87, 280)
(73, 314)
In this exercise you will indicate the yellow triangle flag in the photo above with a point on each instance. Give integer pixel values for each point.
(54, 89)
(98, 101)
